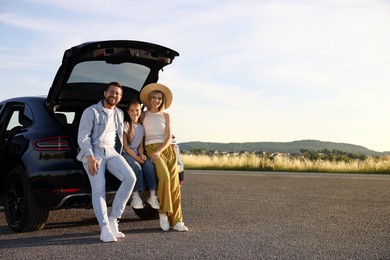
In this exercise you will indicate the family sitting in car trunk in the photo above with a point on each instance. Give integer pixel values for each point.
(108, 142)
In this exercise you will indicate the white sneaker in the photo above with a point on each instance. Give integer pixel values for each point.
(137, 203)
(180, 227)
(153, 202)
(114, 227)
(164, 222)
(106, 235)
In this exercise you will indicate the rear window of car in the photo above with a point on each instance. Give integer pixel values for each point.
(128, 74)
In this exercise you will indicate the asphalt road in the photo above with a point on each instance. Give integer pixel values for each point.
(233, 215)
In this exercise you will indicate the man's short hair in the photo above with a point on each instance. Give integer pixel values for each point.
(114, 83)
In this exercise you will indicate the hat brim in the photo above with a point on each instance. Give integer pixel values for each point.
(156, 86)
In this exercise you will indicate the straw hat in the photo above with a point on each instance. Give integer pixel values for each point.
(156, 86)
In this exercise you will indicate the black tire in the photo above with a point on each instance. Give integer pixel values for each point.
(21, 210)
(147, 213)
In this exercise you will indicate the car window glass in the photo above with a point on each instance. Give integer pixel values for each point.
(69, 116)
(14, 121)
(128, 74)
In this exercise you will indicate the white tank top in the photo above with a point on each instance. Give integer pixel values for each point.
(154, 124)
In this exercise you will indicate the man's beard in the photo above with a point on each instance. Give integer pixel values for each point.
(108, 101)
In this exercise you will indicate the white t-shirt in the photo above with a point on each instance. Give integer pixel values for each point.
(110, 133)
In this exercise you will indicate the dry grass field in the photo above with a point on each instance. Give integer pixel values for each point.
(251, 162)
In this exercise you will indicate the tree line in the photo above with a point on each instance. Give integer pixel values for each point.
(332, 155)
(324, 154)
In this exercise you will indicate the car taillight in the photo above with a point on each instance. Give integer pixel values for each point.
(69, 190)
(57, 143)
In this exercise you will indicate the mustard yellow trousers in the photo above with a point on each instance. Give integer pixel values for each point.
(168, 189)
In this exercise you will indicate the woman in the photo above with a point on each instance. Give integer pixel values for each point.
(158, 137)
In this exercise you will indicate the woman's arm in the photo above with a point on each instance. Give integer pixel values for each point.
(141, 118)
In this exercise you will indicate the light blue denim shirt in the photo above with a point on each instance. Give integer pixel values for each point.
(92, 127)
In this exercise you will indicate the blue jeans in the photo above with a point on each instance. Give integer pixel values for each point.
(146, 173)
(117, 165)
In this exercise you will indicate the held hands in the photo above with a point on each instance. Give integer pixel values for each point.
(141, 159)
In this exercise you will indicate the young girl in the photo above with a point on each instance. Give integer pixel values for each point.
(133, 151)
(158, 138)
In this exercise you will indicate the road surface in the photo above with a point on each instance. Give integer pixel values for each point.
(233, 215)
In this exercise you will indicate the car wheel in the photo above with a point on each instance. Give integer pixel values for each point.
(21, 210)
(147, 213)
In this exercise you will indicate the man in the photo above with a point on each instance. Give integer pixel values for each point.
(100, 139)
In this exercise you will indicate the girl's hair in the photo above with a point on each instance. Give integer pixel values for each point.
(151, 93)
(128, 119)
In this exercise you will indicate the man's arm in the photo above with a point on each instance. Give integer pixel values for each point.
(84, 140)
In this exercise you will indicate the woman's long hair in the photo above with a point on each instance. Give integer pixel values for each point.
(127, 118)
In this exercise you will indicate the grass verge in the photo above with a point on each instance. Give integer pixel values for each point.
(250, 162)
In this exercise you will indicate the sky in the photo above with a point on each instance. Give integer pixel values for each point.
(248, 70)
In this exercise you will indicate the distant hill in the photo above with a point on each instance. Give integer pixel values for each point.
(283, 147)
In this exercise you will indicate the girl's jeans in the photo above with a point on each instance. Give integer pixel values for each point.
(116, 165)
(146, 173)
